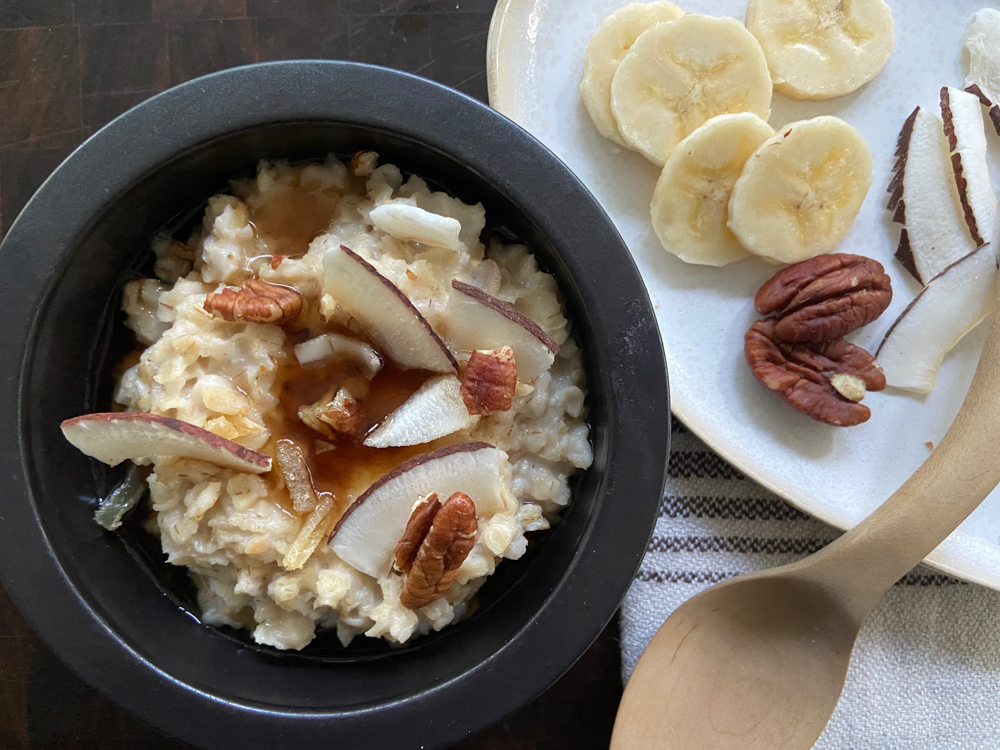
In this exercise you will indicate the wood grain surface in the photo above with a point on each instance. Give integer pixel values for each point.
(69, 66)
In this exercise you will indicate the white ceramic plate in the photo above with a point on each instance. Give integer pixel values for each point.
(535, 61)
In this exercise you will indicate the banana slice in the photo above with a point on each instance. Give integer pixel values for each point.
(690, 205)
(801, 191)
(606, 51)
(682, 73)
(821, 49)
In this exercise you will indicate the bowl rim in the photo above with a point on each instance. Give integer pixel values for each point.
(162, 128)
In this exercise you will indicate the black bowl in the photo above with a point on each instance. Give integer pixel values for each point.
(118, 618)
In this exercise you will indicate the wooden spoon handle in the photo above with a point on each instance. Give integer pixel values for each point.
(959, 474)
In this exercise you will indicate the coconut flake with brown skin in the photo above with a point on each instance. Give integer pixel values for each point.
(966, 134)
(950, 306)
(119, 436)
(366, 535)
(386, 314)
(477, 320)
(435, 410)
(924, 199)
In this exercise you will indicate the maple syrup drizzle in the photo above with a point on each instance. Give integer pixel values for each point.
(350, 467)
(285, 223)
(290, 217)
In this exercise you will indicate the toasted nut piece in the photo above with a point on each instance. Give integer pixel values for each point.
(443, 550)
(803, 374)
(256, 302)
(850, 387)
(276, 261)
(490, 380)
(825, 297)
(341, 412)
(309, 416)
(364, 162)
(416, 531)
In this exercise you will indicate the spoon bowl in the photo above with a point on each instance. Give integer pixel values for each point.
(758, 662)
(739, 662)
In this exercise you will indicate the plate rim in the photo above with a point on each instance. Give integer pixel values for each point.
(500, 91)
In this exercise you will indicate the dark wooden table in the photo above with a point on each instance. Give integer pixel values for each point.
(69, 66)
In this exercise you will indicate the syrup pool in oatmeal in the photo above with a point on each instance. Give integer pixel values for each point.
(351, 409)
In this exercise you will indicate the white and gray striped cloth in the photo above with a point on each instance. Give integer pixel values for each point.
(926, 669)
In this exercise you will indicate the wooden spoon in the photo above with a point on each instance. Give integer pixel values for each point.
(758, 662)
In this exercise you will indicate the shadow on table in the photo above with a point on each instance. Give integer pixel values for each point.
(63, 713)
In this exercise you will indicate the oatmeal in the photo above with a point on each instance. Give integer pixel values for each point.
(381, 407)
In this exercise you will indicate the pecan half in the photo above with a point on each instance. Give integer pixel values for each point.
(490, 380)
(826, 297)
(823, 380)
(416, 531)
(256, 302)
(449, 537)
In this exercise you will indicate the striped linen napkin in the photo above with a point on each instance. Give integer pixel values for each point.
(926, 668)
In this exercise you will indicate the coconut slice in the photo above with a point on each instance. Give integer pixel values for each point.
(983, 45)
(330, 346)
(119, 436)
(994, 109)
(386, 314)
(950, 306)
(477, 320)
(436, 409)
(925, 199)
(966, 134)
(366, 535)
(412, 224)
